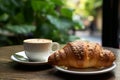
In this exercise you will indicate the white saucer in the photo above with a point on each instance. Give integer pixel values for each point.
(20, 57)
(88, 71)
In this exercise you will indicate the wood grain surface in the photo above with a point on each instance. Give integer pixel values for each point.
(10, 70)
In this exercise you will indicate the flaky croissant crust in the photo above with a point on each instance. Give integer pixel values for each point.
(82, 54)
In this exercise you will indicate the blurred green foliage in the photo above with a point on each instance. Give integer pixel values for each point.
(21, 19)
(91, 6)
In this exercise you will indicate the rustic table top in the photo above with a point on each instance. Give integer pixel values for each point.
(10, 70)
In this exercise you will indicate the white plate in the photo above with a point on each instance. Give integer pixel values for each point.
(20, 57)
(86, 71)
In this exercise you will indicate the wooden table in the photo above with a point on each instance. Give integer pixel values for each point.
(10, 70)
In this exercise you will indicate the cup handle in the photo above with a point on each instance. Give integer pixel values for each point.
(55, 46)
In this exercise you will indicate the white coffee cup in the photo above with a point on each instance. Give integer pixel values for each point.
(39, 49)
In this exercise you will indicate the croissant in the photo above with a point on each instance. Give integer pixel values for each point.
(82, 54)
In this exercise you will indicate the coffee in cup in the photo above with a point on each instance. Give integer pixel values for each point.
(39, 49)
